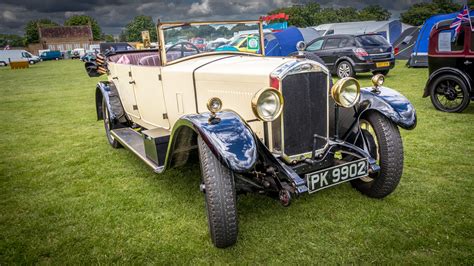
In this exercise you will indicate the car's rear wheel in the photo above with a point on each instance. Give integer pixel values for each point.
(383, 72)
(345, 69)
(385, 145)
(221, 203)
(109, 125)
(449, 93)
(31, 62)
(3, 63)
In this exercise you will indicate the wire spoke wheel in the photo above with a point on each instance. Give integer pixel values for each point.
(449, 94)
(382, 139)
(372, 142)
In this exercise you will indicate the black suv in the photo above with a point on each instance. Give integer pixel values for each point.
(346, 55)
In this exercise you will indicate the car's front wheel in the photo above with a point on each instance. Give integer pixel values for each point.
(221, 203)
(32, 62)
(384, 142)
(345, 69)
(109, 125)
(449, 93)
(3, 63)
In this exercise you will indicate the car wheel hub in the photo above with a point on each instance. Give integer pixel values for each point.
(344, 70)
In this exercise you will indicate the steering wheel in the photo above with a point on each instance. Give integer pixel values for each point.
(183, 45)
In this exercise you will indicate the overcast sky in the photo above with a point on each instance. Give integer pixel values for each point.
(113, 15)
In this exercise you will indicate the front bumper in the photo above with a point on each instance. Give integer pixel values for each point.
(295, 173)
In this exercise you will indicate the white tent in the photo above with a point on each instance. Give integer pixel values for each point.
(390, 29)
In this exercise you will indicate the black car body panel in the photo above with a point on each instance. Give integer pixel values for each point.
(390, 103)
(229, 138)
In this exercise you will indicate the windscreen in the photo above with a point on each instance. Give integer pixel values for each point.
(371, 40)
(188, 39)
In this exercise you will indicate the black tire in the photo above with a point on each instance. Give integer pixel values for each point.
(345, 69)
(108, 125)
(449, 93)
(385, 145)
(383, 72)
(221, 203)
(31, 62)
(3, 63)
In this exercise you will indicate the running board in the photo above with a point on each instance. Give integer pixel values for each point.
(133, 141)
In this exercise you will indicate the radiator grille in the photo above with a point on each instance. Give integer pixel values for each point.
(305, 112)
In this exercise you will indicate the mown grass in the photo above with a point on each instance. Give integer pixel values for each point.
(67, 197)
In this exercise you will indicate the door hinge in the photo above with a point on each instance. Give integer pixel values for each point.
(130, 73)
(159, 76)
(165, 116)
(135, 107)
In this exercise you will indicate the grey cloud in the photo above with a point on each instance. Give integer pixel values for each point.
(113, 15)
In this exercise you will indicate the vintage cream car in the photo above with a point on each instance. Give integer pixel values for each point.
(261, 124)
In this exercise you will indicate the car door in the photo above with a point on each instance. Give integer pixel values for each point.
(469, 60)
(316, 46)
(330, 50)
(122, 77)
(149, 95)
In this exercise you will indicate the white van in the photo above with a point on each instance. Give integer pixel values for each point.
(17, 55)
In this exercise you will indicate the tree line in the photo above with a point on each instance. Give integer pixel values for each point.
(312, 14)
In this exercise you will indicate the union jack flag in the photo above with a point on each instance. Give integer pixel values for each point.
(457, 22)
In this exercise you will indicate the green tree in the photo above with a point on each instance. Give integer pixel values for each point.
(108, 37)
(374, 12)
(31, 29)
(312, 14)
(12, 40)
(137, 25)
(79, 20)
(418, 13)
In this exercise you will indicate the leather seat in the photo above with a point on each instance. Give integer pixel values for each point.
(150, 60)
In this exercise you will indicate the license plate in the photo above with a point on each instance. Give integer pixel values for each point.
(336, 175)
(382, 64)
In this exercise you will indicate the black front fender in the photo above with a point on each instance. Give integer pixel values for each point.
(390, 103)
(231, 139)
(106, 90)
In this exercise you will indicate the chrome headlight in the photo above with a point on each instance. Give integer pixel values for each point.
(214, 105)
(378, 80)
(346, 92)
(267, 104)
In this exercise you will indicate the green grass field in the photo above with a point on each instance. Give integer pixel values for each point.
(67, 197)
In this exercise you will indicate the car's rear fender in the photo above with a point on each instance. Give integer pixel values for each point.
(108, 91)
(389, 103)
(444, 71)
(231, 140)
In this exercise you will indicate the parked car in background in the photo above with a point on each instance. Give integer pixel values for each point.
(346, 55)
(6, 56)
(89, 56)
(213, 45)
(242, 43)
(451, 67)
(51, 55)
(269, 125)
(106, 47)
(78, 53)
(200, 43)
